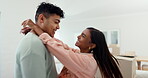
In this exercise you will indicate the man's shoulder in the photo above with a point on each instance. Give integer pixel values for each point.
(31, 39)
(31, 44)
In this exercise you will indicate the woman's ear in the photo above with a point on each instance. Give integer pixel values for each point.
(93, 45)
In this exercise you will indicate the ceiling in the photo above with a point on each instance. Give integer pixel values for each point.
(101, 7)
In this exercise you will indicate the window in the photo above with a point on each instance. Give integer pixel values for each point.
(113, 41)
(112, 36)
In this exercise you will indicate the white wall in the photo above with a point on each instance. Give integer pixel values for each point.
(133, 29)
(0, 46)
(13, 12)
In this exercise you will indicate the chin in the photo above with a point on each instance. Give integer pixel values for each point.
(76, 44)
(52, 35)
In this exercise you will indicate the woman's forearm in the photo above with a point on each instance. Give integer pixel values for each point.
(33, 26)
(37, 29)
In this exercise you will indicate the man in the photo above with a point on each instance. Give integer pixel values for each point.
(33, 59)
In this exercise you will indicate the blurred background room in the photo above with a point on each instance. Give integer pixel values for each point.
(124, 23)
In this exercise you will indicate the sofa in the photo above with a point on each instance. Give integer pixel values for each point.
(127, 67)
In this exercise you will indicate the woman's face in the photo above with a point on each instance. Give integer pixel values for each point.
(84, 40)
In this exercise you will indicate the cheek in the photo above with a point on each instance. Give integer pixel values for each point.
(86, 43)
(47, 29)
(83, 43)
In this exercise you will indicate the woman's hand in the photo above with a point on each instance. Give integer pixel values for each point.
(28, 22)
(31, 25)
(25, 30)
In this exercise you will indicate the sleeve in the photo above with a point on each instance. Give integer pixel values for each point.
(73, 61)
(33, 66)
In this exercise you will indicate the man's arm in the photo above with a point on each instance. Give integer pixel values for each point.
(33, 66)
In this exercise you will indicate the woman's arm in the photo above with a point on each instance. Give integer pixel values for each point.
(39, 31)
(75, 62)
(33, 26)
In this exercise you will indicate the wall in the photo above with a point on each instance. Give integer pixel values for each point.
(13, 13)
(0, 46)
(133, 29)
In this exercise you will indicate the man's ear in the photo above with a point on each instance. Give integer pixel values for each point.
(41, 18)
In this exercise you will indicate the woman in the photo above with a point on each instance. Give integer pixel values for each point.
(93, 53)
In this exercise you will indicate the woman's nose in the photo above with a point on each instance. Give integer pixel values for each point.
(78, 36)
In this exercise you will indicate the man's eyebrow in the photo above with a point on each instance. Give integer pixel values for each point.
(57, 20)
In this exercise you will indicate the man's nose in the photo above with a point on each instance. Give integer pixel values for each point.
(58, 26)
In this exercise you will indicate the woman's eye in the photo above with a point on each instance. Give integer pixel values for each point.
(83, 35)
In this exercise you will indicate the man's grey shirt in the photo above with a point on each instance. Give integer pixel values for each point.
(33, 59)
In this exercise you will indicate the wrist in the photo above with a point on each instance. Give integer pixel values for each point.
(34, 26)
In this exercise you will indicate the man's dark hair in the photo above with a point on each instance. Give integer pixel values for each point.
(48, 9)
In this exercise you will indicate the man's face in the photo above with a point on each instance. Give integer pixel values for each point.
(51, 24)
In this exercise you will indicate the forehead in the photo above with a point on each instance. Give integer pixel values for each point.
(54, 17)
(86, 32)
